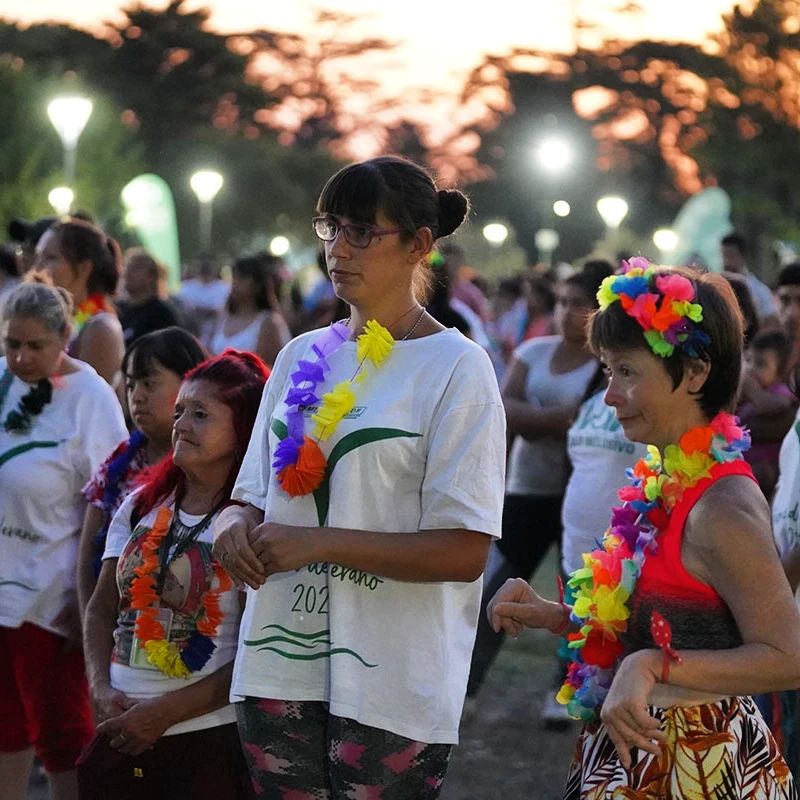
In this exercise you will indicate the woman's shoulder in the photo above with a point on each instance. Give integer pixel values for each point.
(535, 348)
(730, 503)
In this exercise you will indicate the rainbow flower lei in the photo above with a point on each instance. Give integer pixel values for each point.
(167, 656)
(600, 590)
(661, 302)
(299, 463)
(94, 304)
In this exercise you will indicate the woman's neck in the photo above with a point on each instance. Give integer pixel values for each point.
(156, 450)
(397, 317)
(203, 492)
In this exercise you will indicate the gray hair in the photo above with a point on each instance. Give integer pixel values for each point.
(51, 305)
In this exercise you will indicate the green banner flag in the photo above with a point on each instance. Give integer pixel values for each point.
(702, 221)
(150, 211)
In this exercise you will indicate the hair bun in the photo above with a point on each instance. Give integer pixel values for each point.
(453, 207)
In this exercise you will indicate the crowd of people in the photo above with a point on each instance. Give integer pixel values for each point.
(262, 543)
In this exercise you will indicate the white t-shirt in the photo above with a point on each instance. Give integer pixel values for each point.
(538, 467)
(390, 654)
(599, 453)
(42, 473)
(785, 503)
(188, 578)
(209, 296)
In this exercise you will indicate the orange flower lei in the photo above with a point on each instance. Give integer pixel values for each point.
(167, 656)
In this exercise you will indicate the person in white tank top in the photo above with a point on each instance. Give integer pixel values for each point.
(252, 320)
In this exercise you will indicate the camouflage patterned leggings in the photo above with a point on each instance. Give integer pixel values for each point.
(299, 751)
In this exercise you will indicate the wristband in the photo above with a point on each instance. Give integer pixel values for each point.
(565, 609)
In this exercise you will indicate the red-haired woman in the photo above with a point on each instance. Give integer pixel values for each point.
(162, 624)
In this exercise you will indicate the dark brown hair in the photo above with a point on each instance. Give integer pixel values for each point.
(79, 240)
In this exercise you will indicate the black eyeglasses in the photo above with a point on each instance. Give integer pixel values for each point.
(355, 233)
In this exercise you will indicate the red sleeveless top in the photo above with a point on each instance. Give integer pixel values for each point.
(699, 617)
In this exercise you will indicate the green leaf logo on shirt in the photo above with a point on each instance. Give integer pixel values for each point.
(345, 445)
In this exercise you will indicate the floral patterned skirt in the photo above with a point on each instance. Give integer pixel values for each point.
(718, 751)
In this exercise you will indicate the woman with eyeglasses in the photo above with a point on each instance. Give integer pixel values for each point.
(368, 497)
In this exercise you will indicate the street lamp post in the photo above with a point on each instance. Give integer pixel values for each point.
(547, 240)
(69, 116)
(613, 210)
(205, 184)
(61, 199)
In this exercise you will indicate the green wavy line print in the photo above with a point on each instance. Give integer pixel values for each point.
(255, 642)
(23, 448)
(299, 635)
(17, 583)
(346, 444)
(317, 656)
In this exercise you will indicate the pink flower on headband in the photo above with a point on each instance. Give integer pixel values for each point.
(676, 286)
(637, 262)
(642, 309)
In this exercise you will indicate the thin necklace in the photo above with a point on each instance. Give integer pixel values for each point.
(413, 327)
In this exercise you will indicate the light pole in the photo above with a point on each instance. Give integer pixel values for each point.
(495, 233)
(666, 240)
(205, 184)
(613, 210)
(69, 116)
(61, 199)
(546, 241)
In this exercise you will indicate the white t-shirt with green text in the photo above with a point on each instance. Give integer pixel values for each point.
(428, 431)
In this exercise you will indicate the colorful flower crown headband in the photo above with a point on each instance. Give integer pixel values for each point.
(662, 304)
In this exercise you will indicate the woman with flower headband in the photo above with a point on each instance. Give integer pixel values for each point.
(58, 421)
(161, 626)
(370, 491)
(683, 610)
(84, 260)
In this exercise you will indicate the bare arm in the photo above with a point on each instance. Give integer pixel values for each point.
(270, 338)
(102, 346)
(93, 520)
(523, 417)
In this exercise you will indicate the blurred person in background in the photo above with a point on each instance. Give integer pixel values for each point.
(153, 368)
(202, 297)
(543, 386)
(162, 624)
(143, 307)
(253, 319)
(9, 271)
(58, 421)
(734, 259)
(27, 234)
(79, 257)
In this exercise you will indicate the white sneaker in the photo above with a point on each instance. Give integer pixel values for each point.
(554, 715)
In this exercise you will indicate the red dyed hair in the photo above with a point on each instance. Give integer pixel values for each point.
(239, 379)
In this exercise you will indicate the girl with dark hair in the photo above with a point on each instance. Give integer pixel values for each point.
(683, 610)
(153, 366)
(252, 319)
(84, 260)
(369, 494)
(161, 627)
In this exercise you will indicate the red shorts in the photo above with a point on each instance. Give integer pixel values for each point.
(44, 700)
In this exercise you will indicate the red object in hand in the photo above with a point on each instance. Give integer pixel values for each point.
(661, 632)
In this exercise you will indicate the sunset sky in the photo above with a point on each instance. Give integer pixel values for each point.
(439, 40)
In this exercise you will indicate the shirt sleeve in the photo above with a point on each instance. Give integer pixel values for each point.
(464, 479)
(119, 529)
(101, 426)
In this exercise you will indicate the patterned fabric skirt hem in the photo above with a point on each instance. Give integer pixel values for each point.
(718, 751)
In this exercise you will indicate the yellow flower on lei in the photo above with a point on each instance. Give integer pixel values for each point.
(375, 343)
(166, 656)
(693, 467)
(336, 405)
